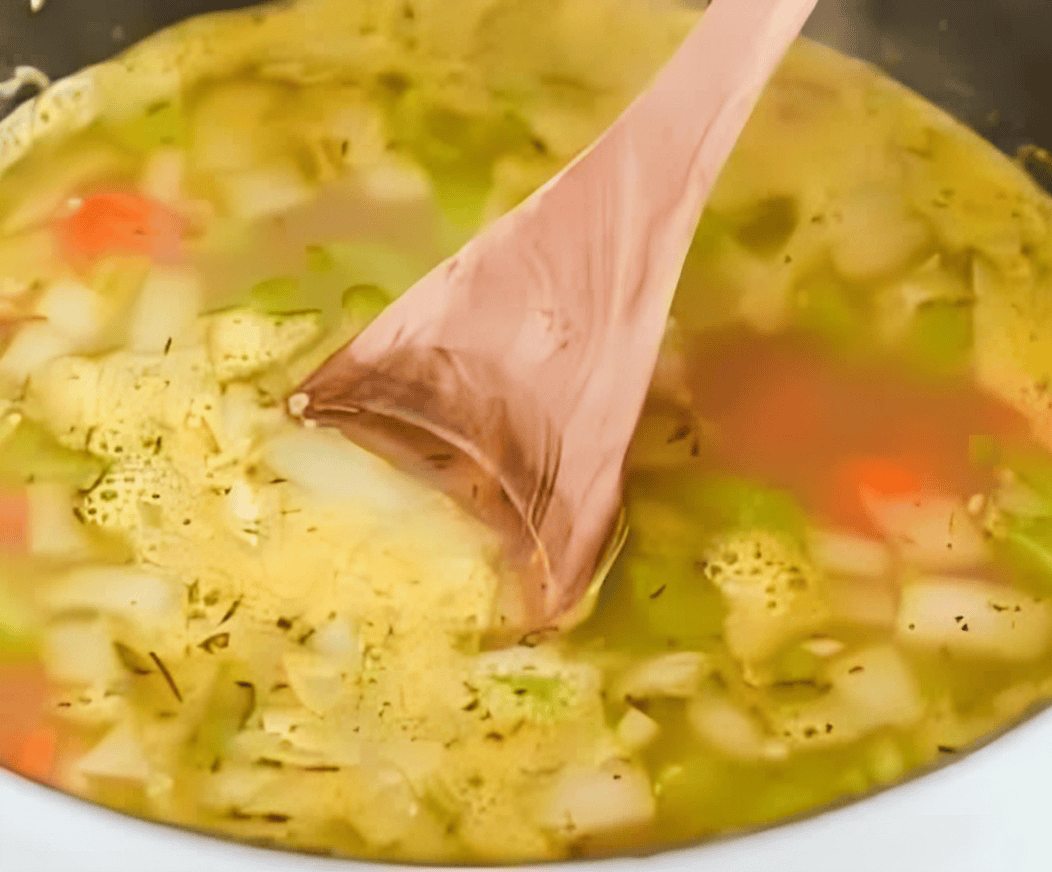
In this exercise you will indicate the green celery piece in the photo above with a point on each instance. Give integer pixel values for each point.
(1034, 469)
(17, 642)
(162, 124)
(736, 503)
(320, 259)
(372, 262)
(676, 602)
(32, 454)
(230, 704)
(457, 150)
(827, 306)
(1029, 544)
(796, 664)
(671, 518)
(275, 296)
(362, 303)
(764, 227)
(941, 334)
(547, 696)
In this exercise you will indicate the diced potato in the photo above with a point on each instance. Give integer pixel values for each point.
(848, 554)
(875, 234)
(974, 618)
(869, 689)
(878, 685)
(773, 593)
(165, 310)
(80, 652)
(162, 177)
(731, 730)
(74, 309)
(930, 530)
(397, 181)
(35, 345)
(868, 602)
(616, 796)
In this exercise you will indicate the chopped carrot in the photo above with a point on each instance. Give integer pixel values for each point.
(119, 223)
(36, 757)
(23, 693)
(14, 520)
(879, 475)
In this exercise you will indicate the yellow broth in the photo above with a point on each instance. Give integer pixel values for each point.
(839, 494)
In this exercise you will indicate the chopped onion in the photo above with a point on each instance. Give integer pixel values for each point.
(847, 554)
(331, 467)
(146, 600)
(317, 682)
(35, 345)
(676, 675)
(732, 731)
(80, 652)
(165, 309)
(53, 529)
(119, 755)
(636, 730)
(260, 192)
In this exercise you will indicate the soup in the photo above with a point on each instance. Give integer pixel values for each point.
(839, 495)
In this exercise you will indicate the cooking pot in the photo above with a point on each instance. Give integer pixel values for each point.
(989, 62)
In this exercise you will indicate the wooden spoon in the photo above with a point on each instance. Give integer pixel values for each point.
(516, 370)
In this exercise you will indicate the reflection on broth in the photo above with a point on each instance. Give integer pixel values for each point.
(839, 494)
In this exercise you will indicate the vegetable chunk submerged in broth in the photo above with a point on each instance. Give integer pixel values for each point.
(839, 562)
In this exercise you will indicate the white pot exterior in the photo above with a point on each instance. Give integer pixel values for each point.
(990, 812)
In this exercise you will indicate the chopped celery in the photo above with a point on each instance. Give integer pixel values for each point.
(276, 295)
(735, 503)
(829, 307)
(231, 703)
(32, 454)
(373, 262)
(1034, 469)
(983, 450)
(676, 601)
(1029, 544)
(363, 303)
(16, 636)
(766, 226)
(457, 150)
(941, 334)
(796, 665)
(320, 259)
(161, 124)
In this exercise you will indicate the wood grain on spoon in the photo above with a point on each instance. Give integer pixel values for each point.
(530, 351)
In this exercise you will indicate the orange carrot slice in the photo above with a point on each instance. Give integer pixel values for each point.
(23, 693)
(14, 520)
(119, 223)
(36, 757)
(879, 475)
